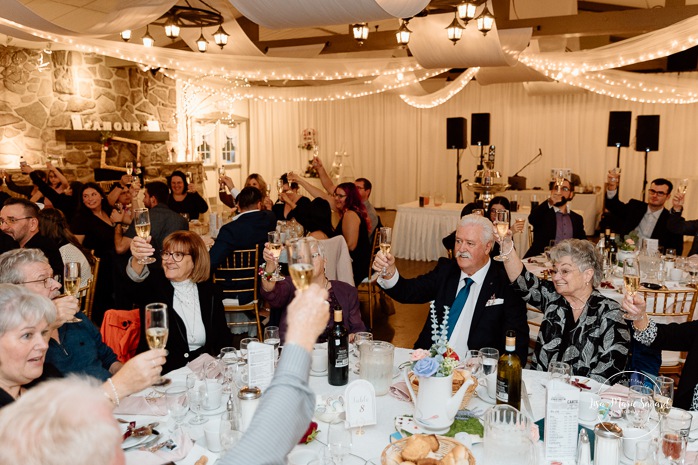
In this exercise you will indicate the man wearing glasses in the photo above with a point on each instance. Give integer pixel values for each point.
(554, 221)
(648, 219)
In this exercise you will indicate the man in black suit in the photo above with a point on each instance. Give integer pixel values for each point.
(554, 221)
(649, 219)
(491, 308)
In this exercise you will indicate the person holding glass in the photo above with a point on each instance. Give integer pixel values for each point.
(554, 220)
(184, 197)
(278, 294)
(290, 200)
(677, 224)
(581, 326)
(253, 180)
(681, 337)
(196, 317)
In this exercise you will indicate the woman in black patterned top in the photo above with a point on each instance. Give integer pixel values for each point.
(580, 327)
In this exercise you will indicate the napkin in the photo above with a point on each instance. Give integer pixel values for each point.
(162, 456)
(400, 391)
(137, 405)
(198, 365)
(617, 392)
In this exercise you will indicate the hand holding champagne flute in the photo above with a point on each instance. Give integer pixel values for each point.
(221, 174)
(71, 283)
(300, 263)
(631, 281)
(157, 330)
(501, 224)
(386, 238)
(142, 222)
(275, 246)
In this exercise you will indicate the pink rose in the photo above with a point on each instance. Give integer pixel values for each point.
(419, 354)
(630, 241)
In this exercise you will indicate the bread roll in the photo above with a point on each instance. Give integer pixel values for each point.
(416, 447)
(433, 442)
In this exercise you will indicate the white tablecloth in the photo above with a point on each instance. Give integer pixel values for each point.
(590, 206)
(418, 231)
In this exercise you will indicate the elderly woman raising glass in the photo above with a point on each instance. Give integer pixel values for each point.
(26, 322)
(194, 304)
(280, 293)
(581, 327)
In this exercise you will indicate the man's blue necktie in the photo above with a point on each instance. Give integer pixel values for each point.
(458, 305)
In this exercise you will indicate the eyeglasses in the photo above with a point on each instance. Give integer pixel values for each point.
(176, 256)
(338, 196)
(10, 220)
(564, 272)
(657, 193)
(47, 281)
(564, 189)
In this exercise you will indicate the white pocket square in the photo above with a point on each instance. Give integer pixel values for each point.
(494, 302)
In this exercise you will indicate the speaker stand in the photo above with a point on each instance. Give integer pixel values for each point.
(618, 155)
(644, 175)
(459, 192)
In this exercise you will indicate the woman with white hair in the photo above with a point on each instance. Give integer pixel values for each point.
(278, 294)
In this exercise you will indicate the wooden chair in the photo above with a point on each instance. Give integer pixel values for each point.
(238, 275)
(370, 288)
(671, 306)
(87, 292)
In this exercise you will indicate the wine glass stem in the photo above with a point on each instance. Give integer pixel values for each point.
(277, 271)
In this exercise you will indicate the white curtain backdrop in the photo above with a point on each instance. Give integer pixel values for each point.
(402, 150)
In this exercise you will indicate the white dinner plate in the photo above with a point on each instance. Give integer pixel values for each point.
(215, 411)
(132, 441)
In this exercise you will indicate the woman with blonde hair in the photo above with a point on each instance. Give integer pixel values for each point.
(253, 180)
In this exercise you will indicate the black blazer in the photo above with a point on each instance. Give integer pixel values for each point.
(157, 288)
(682, 337)
(244, 233)
(490, 323)
(628, 217)
(544, 221)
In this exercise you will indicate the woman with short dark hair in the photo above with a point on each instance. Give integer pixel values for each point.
(184, 198)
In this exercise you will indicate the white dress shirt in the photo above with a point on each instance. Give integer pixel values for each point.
(460, 334)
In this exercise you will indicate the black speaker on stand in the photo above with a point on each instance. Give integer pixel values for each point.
(457, 138)
(619, 131)
(480, 135)
(646, 140)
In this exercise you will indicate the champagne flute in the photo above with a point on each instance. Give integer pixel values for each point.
(559, 179)
(71, 283)
(614, 173)
(275, 246)
(272, 338)
(683, 186)
(300, 263)
(221, 173)
(663, 395)
(631, 280)
(188, 176)
(501, 223)
(386, 238)
(142, 221)
(157, 330)
(279, 187)
(129, 170)
(339, 442)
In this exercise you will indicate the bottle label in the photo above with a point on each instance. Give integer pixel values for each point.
(502, 390)
(342, 359)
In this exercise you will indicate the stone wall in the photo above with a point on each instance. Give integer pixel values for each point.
(39, 92)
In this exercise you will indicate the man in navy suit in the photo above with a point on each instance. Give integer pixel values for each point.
(490, 306)
(554, 221)
(649, 219)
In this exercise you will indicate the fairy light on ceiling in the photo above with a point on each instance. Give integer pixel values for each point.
(443, 95)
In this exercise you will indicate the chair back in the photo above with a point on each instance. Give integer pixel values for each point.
(670, 305)
(338, 259)
(121, 330)
(237, 278)
(87, 299)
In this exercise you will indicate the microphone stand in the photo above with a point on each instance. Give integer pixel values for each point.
(540, 154)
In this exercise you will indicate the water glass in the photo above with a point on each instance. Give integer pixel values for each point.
(473, 362)
(177, 403)
(339, 442)
(229, 434)
(639, 405)
(359, 338)
(677, 421)
(560, 370)
(644, 453)
(490, 358)
(243, 346)
(272, 338)
(196, 400)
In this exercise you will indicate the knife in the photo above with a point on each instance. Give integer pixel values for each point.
(524, 399)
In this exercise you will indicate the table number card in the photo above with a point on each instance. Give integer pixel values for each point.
(360, 398)
(260, 364)
(561, 419)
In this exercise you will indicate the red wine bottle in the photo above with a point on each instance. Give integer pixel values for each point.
(338, 351)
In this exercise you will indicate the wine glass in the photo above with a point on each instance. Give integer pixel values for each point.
(473, 362)
(188, 176)
(157, 330)
(631, 280)
(300, 263)
(501, 223)
(339, 442)
(221, 173)
(614, 174)
(279, 187)
(142, 221)
(663, 395)
(385, 239)
(71, 283)
(177, 404)
(359, 338)
(559, 179)
(560, 370)
(229, 433)
(272, 338)
(243, 346)
(489, 357)
(196, 401)
(639, 405)
(683, 186)
(275, 246)
(129, 169)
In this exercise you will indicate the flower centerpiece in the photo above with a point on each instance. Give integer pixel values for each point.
(440, 360)
(630, 243)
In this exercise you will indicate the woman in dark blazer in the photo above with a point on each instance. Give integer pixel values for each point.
(194, 305)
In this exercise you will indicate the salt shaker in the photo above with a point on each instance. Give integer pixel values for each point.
(249, 399)
(607, 445)
(583, 449)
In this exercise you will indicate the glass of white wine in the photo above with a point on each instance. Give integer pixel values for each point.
(129, 169)
(683, 186)
(300, 262)
(631, 280)
(189, 177)
(221, 173)
(663, 395)
(275, 246)
(501, 224)
(559, 179)
(156, 330)
(386, 238)
(142, 221)
(279, 187)
(71, 283)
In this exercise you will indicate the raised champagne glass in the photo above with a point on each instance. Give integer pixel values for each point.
(501, 224)
(385, 239)
(156, 330)
(275, 246)
(221, 174)
(279, 188)
(559, 179)
(189, 177)
(683, 186)
(631, 280)
(71, 283)
(142, 221)
(129, 170)
(300, 262)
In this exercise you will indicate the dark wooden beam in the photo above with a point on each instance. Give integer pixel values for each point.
(345, 43)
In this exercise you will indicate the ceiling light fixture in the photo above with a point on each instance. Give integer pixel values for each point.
(147, 39)
(125, 35)
(360, 32)
(201, 42)
(403, 34)
(221, 37)
(466, 10)
(179, 17)
(485, 22)
(454, 30)
(172, 29)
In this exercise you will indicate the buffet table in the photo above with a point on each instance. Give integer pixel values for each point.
(418, 231)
